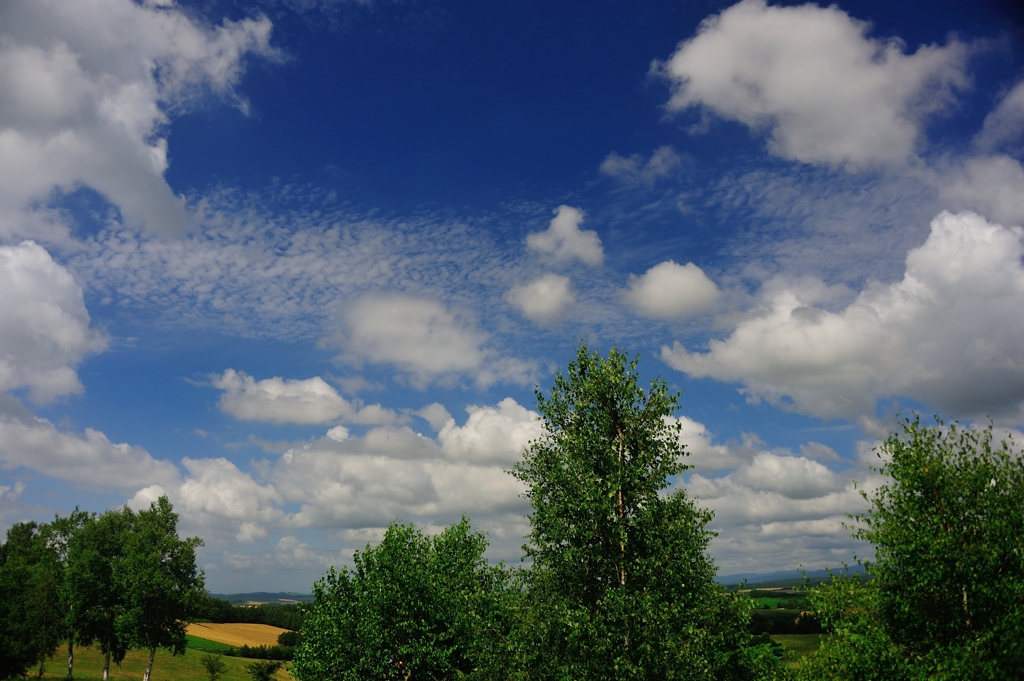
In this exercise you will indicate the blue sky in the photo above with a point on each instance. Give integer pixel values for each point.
(300, 264)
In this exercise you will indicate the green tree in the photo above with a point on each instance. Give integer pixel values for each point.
(19, 555)
(946, 598)
(60, 534)
(213, 666)
(159, 581)
(414, 607)
(31, 623)
(93, 601)
(263, 670)
(621, 585)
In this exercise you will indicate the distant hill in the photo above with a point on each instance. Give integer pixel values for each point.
(769, 580)
(280, 597)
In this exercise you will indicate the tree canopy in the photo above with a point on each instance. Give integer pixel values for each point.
(414, 607)
(946, 594)
(621, 583)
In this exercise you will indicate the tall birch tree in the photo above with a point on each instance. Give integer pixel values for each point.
(621, 584)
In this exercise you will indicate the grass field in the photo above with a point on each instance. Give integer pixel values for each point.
(237, 635)
(166, 667)
(206, 646)
(800, 645)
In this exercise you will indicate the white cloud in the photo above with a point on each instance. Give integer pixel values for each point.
(435, 414)
(990, 185)
(423, 338)
(11, 493)
(86, 89)
(1004, 126)
(217, 487)
(491, 435)
(671, 291)
(809, 75)
(289, 553)
(948, 334)
(794, 477)
(545, 300)
(705, 456)
(564, 240)
(633, 170)
(775, 510)
(393, 473)
(251, 532)
(44, 326)
(293, 401)
(88, 460)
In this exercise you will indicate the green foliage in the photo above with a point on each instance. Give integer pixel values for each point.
(92, 598)
(413, 607)
(946, 598)
(158, 580)
(288, 616)
(24, 566)
(214, 666)
(284, 653)
(289, 638)
(263, 670)
(621, 585)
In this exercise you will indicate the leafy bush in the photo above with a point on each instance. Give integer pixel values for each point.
(290, 639)
(283, 653)
(263, 670)
(214, 666)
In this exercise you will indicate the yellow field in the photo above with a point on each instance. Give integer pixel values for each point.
(237, 634)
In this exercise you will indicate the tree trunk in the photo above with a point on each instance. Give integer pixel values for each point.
(149, 665)
(106, 664)
(71, 657)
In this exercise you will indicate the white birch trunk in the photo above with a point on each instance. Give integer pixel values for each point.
(106, 665)
(71, 657)
(149, 665)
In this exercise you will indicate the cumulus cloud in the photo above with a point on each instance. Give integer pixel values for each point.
(671, 291)
(88, 460)
(810, 76)
(425, 339)
(44, 326)
(702, 454)
(634, 170)
(774, 508)
(389, 473)
(564, 240)
(436, 415)
(87, 88)
(794, 477)
(491, 435)
(545, 300)
(1004, 126)
(358, 484)
(990, 185)
(293, 401)
(215, 490)
(948, 334)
